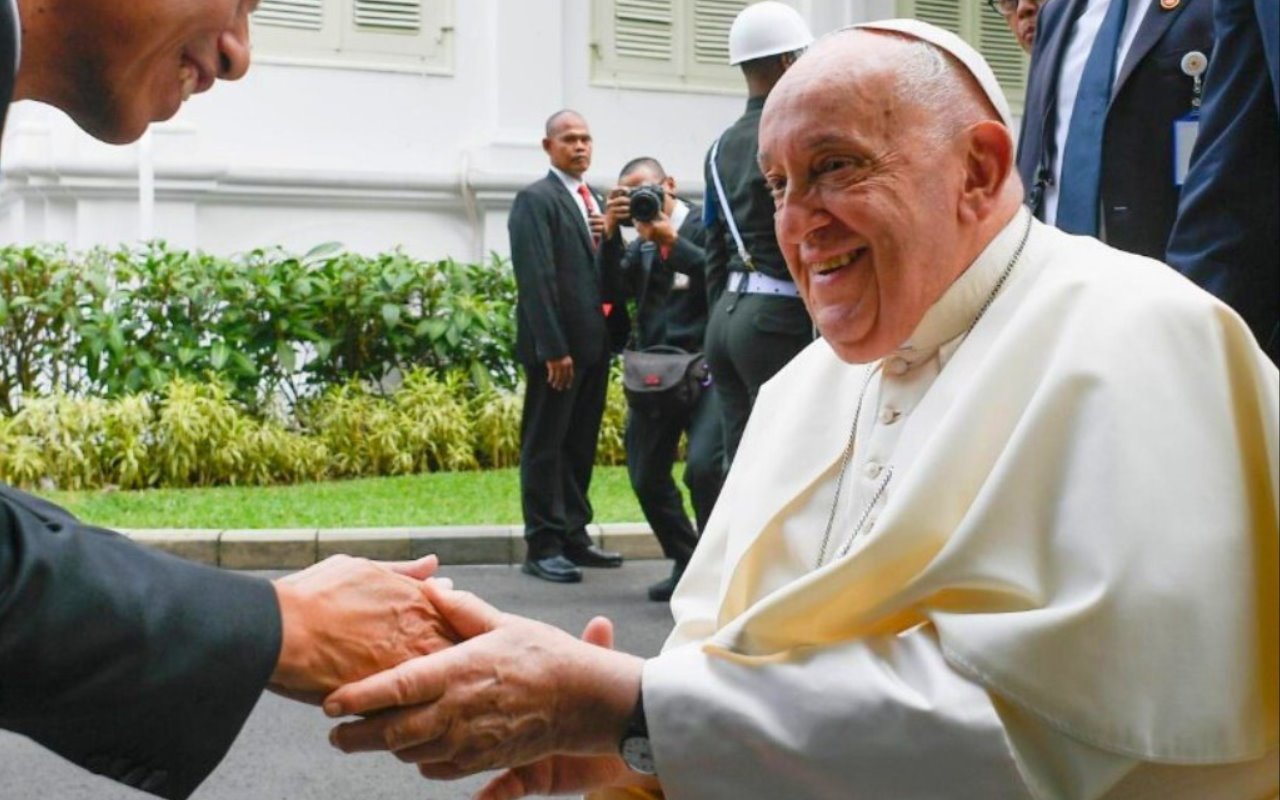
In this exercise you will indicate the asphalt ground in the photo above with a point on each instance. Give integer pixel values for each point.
(283, 751)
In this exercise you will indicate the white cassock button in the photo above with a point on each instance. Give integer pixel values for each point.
(872, 470)
(897, 366)
(888, 416)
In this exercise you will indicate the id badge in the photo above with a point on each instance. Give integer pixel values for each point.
(1185, 131)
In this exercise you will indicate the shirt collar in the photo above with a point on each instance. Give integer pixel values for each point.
(571, 183)
(960, 305)
(679, 214)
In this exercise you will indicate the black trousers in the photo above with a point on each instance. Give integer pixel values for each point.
(652, 444)
(558, 435)
(749, 338)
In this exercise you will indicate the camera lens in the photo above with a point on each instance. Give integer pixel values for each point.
(646, 203)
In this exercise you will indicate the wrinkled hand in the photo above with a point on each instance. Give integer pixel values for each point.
(558, 775)
(348, 618)
(596, 223)
(516, 691)
(560, 373)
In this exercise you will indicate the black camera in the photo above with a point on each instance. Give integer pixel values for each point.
(646, 202)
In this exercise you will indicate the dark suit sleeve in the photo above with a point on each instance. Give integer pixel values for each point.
(533, 259)
(612, 266)
(717, 254)
(128, 662)
(1227, 232)
(688, 255)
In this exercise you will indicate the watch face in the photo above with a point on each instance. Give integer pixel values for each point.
(638, 754)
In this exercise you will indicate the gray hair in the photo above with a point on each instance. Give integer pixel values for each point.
(926, 77)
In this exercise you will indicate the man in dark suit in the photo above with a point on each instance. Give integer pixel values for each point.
(1228, 231)
(663, 272)
(1119, 182)
(563, 344)
(126, 661)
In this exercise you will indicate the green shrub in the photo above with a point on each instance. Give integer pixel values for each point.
(123, 321)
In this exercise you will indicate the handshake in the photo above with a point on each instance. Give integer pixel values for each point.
(443, 680)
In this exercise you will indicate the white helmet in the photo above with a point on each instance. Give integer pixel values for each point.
(764, 29)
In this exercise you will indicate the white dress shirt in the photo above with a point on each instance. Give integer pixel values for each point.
(571, 183)
(1072, 69)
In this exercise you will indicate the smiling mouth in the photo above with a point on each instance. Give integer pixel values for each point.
(192, 78)
(836, 262)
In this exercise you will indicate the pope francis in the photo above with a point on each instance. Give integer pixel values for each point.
(1008, 530)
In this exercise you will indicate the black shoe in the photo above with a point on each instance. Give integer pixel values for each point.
(556, 569)
(592, 556)
(661, 591)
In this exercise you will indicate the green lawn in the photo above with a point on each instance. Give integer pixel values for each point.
(445, 498)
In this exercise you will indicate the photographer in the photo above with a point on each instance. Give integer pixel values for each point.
(662, 272)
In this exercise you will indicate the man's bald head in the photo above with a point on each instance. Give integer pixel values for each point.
(891, 170)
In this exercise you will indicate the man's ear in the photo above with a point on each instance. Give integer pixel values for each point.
(988, 162)
(546, 146)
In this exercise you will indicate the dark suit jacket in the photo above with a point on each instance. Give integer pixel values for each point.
(127, 662)
(1139, 198)
(130, 663)
(559, 306)
(1227, 238)
(664, 315)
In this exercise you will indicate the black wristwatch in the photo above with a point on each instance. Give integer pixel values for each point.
(635, 747)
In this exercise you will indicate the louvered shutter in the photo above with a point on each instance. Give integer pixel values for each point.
(388, 15)
(1002, 51)
(943, 13)
(303, 15)
(665, 44)
(986, 31)
(644, 29)
(711, 22)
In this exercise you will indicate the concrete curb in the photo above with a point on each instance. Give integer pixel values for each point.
(295, 548)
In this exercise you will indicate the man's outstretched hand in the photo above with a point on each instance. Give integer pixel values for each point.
(348, 618)
(513, 693)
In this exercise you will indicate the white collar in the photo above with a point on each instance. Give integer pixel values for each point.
(679, 214)
(961, 303)
(571, 183)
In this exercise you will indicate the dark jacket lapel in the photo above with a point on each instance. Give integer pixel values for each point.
(570, 206)
(1153, 26)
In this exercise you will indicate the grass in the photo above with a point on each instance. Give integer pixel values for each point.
(442, 498)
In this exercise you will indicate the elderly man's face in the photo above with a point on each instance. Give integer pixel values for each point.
(866, 199)
(134, 62)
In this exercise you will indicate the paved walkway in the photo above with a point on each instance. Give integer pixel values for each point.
(296, 548)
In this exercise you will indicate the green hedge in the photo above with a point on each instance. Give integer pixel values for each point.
(113, 322)
(196, 434)
(147, 367)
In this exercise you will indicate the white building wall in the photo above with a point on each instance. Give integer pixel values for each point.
(375, 159)
(297, 155)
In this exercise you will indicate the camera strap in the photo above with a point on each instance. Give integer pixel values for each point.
(728, 211)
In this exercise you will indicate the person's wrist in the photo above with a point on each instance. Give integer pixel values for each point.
(607, 682)
(291, 669)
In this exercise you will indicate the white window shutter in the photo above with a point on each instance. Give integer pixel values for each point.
(388, 15)
(302, 15)
(644, 29)
(943, 13)
(711, 22)
(1002, 51)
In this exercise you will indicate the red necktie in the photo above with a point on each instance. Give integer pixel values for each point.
(590, 203)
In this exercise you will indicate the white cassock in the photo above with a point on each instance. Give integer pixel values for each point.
(1051, 572)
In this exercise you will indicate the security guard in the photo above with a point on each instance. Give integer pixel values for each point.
(758, 321)
(663, 272)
